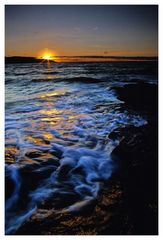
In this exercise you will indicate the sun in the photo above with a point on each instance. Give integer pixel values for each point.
(47, 57)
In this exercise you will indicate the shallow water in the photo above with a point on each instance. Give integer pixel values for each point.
(58, 118)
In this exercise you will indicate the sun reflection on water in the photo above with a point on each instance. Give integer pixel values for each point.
(48, 136)
(55, 111)
(53, 94)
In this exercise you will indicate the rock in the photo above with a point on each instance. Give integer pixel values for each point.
(139, 174)
(140, 96)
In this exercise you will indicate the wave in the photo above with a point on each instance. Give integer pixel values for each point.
(80, 174)
(74, 173)
(70, 80)
(51, 72)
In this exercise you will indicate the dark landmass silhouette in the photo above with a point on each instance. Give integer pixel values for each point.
(113, 57)
(20, 59)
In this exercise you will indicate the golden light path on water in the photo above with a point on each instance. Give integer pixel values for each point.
(61, 120)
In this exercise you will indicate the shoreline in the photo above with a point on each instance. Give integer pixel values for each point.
(128, 204)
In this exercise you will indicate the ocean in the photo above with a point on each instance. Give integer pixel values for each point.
(58, 117)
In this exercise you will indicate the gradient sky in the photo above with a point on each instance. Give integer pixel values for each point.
(106, 30)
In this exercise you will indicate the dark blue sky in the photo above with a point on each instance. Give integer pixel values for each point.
(119, 30)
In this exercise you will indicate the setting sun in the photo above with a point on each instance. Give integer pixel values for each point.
(47, 57)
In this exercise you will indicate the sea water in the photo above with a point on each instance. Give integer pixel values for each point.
(58, 119)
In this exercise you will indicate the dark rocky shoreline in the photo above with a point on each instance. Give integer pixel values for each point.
(138, 152)
(128, 204)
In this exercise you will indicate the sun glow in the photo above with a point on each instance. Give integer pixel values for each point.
(47, 57)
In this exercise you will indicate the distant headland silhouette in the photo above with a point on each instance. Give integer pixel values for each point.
(21, 59)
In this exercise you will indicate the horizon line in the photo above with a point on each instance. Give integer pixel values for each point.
(86, 56)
